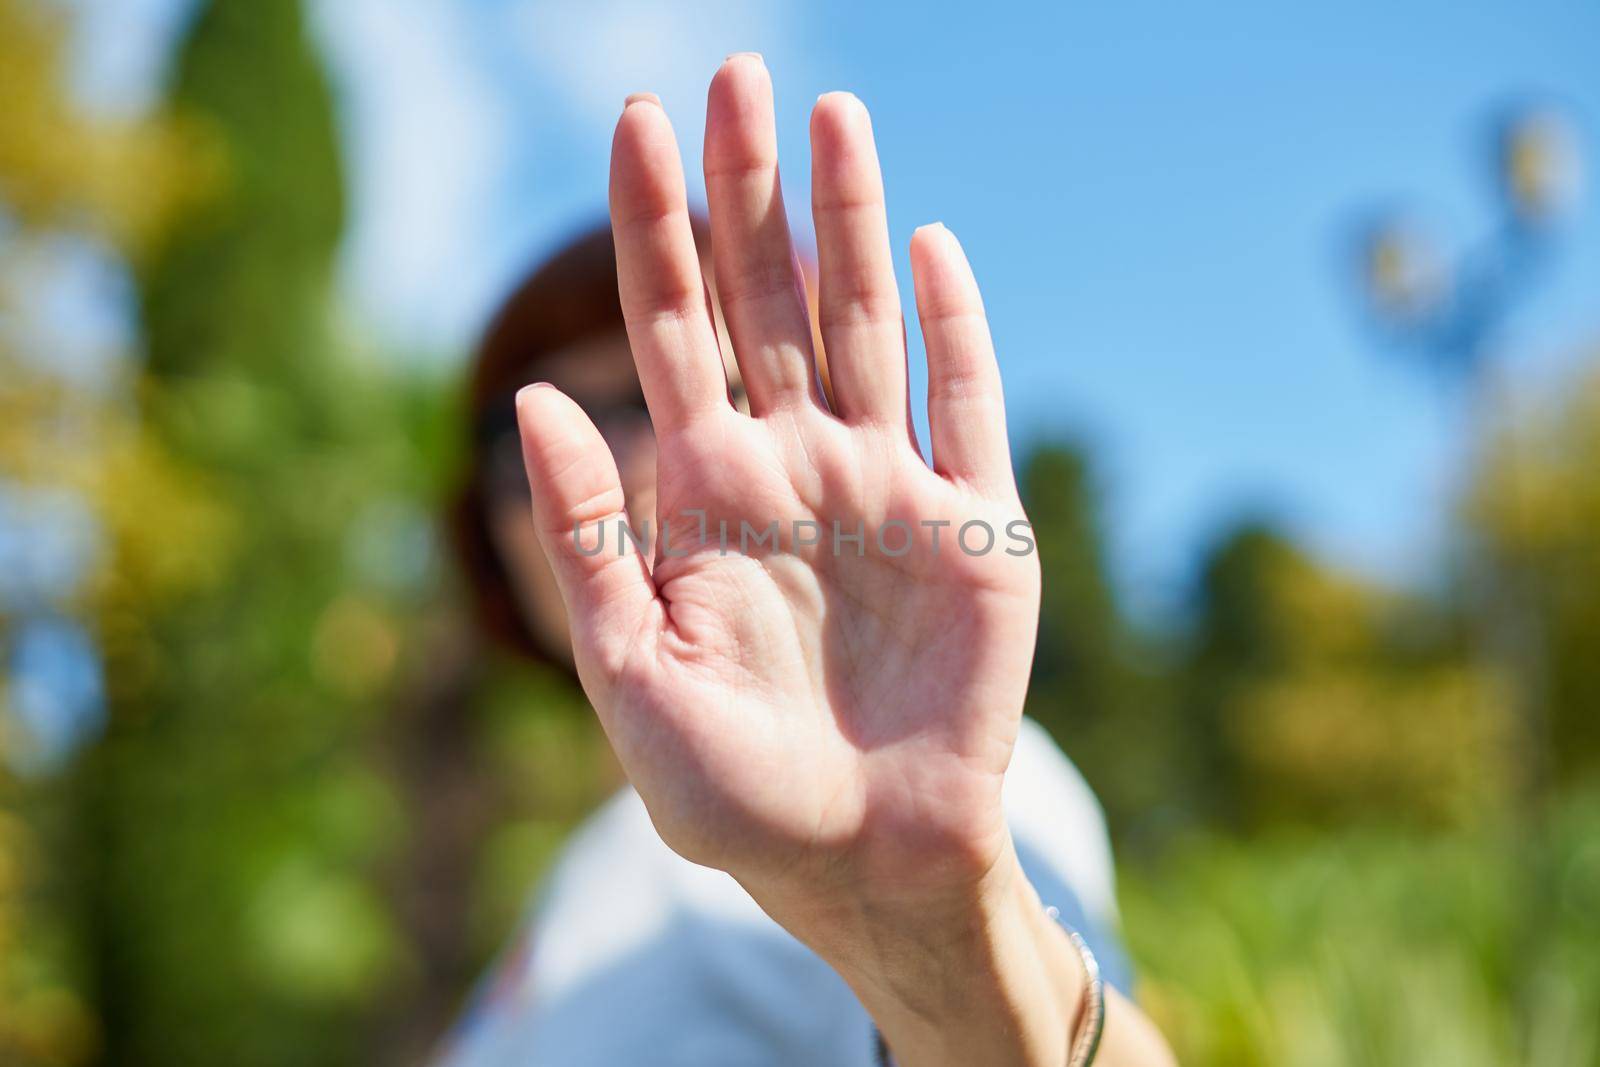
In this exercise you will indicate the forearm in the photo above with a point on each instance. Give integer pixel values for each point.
(990, 979)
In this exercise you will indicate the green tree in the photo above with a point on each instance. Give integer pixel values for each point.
(1238, 641)
(1313, 695)
(242, 284)
(68, 179)
(238, 820)
(1098, 686)
(1533, 510)
(1080, 632)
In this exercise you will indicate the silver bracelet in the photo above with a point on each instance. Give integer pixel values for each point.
(1086, 1041)
(1092, 1023)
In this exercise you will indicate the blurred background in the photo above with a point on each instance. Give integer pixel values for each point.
(1299, 313)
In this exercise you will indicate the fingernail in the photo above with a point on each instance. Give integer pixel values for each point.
(527, 390)
(641, 98)
(745, 55)
(845, 93)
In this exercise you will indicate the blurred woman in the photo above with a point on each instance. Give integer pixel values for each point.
(841, 843)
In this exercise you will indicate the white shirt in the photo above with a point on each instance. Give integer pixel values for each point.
(635, 956)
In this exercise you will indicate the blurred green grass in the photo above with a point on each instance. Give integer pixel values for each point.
(1376, 946)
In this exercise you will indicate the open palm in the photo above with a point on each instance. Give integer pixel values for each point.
(819, 719)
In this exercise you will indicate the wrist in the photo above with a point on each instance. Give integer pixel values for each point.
(984, 975)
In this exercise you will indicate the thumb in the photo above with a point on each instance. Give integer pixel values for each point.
(609, 594)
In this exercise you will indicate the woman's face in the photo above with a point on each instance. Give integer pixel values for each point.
(598, 374)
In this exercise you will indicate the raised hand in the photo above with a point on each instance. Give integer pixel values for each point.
(828, 722)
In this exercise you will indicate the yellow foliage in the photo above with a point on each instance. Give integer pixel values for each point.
(1428, 740)
(1538, 497)
(39, 1020)
(1535, 510)
(355, 647)
(1346, 722)
(166, 535)
(122, 180)
(1324, 616)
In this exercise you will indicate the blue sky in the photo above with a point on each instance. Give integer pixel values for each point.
(1154, 197)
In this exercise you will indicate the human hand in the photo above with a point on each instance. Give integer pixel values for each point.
(831, 728)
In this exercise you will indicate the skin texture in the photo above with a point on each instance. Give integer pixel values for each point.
(831, 728)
